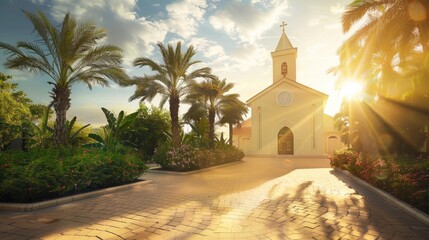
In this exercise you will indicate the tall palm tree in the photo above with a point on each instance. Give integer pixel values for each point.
(213, 94)
(386, 48)
(68, 54)
(170, 80)
(232, 114)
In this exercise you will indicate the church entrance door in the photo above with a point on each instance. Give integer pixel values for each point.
(285, 141)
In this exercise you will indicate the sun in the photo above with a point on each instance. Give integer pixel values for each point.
(351, 90)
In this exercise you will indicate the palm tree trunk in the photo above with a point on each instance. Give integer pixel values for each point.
(231, 134)
(61, 102)
(175, 127)
(211, 127)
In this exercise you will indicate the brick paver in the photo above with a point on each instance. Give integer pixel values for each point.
(262, 198)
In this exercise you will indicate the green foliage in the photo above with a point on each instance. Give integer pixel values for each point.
(38, 112)
(186, 157)
(148, 130)
(14, 110)
(221, 142)
(68, 53)
(170, 80)
(73, 131)
(41, 133)
(47, 173)
(405, 177)
(112, 133)
(198, 137)
(210, 99)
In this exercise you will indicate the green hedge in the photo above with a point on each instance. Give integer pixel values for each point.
(44, 174)
(187, 158)
(405, 177)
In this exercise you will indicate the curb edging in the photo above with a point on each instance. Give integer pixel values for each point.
(28, 207)
(192, 172)
(421, 216)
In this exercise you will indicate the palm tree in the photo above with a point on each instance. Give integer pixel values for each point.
(383, 21)
(387, 48)
(211, 93)
(232, 114)
(68, 54)
(170, 80)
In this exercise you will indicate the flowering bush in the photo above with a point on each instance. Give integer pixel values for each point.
(187, 158)
(405, 177)
(43, 174)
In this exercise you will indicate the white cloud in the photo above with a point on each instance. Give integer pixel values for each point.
(208, 48)
(38, 1)
(19, 75)
(246, 58)
(337, 8)
(315, 21)
(185, 16)
(246, 22)
(125, 29)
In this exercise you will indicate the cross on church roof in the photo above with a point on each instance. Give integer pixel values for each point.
(283, 25)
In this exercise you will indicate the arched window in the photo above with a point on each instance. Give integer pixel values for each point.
(284, 69)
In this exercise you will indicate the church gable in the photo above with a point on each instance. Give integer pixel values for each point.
(289, 86)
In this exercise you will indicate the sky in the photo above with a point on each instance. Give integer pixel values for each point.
(233, 37)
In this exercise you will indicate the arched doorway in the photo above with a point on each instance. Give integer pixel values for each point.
(333, 144)
(285, 141)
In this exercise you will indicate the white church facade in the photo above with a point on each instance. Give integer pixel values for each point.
(287, 118)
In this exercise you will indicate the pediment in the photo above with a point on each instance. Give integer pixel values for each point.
(289, 85)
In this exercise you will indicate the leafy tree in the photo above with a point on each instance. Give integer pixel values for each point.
(38, 111)
(148, 130)
(233, 114)
(14, 110)
(112, 133)
(211, 95)
(170, 80)
(67, 54)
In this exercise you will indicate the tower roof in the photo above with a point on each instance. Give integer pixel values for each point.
(284, 43)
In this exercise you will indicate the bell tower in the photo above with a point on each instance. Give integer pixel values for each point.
(284, 59)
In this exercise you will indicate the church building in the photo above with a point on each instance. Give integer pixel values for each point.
(287, 118)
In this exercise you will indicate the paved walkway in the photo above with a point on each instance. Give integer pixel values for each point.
(258, 199)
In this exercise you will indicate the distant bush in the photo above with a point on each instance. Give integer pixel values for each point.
(405, 177)
(48, 173)
(187, 158)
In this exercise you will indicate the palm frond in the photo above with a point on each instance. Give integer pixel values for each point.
(358, 9)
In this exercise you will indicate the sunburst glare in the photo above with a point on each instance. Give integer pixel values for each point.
(351, 90)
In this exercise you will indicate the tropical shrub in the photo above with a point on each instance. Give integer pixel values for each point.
(405, 177)
(14, 109)
(111, 135)
(186, 158)
(47, 173)
(147, 132)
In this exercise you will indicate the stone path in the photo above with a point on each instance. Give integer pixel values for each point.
(262, 198)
